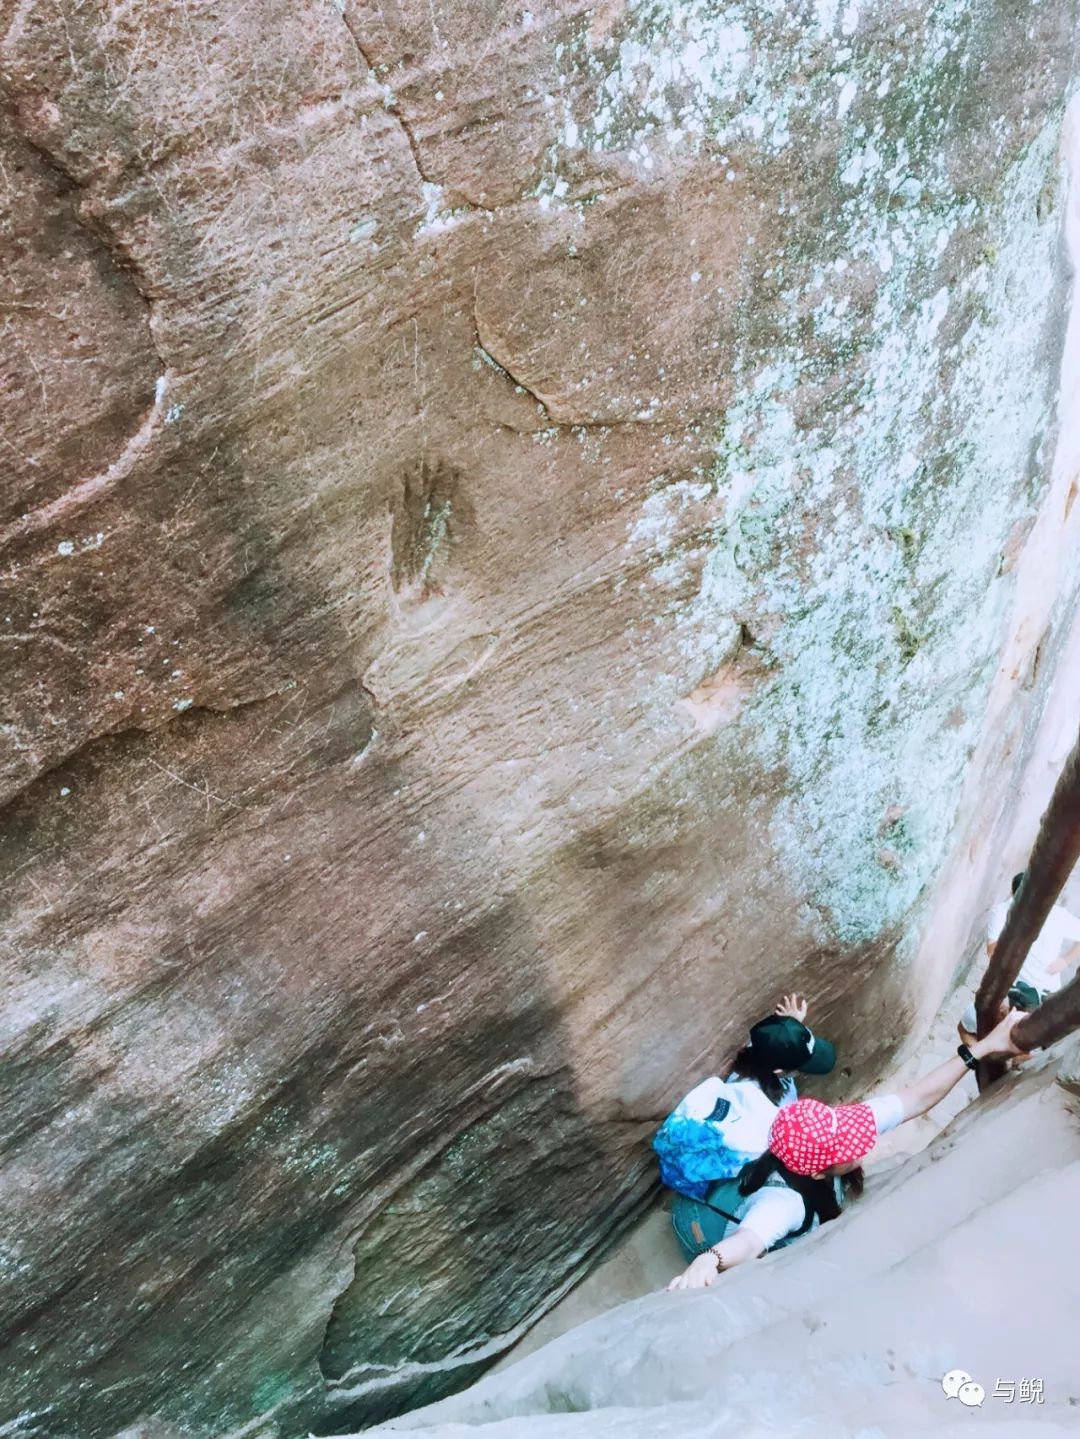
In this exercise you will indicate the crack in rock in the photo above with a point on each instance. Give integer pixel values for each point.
(559, 420)
(392, 106)
(84, 492)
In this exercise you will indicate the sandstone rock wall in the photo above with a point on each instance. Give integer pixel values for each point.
(510, 521)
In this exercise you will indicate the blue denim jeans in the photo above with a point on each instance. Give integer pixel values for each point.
(696, 1226)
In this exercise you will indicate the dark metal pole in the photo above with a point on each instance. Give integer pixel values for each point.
(1056, 850)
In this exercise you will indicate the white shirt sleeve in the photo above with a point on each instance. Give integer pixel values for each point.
(772, 1212)
(888, 1112)
(995, 922)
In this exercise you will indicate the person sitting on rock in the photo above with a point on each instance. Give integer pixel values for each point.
(1047, 957)
(794, 1186)
(722, 1124)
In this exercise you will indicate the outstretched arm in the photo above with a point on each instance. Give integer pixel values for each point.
(1069, 957)
(933, 1087)
(702, 1271)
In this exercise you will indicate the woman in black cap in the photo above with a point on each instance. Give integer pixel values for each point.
(778, 1046)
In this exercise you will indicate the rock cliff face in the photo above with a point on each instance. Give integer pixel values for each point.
(511, 524)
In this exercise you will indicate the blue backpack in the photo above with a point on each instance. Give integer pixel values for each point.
(721, 1126)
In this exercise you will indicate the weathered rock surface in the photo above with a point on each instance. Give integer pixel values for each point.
(522, 531)
(849, 1334)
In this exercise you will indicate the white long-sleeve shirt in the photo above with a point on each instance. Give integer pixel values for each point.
(1061, 928)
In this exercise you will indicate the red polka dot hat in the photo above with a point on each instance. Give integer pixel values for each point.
(809, 1136)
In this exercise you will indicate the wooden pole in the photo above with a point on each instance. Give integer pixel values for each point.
(1055, 853)
(1056, 850)
(1055, 1017)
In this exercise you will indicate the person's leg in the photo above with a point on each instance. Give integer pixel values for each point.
(966, 1028)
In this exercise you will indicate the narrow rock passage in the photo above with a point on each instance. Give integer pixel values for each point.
(849, 1334)
(646, 1258)
(644, 1261)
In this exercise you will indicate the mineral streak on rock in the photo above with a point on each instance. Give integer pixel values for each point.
(498, 505)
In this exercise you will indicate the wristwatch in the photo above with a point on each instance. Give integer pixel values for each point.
(967, 1056)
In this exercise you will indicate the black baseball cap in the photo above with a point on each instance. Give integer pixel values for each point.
(783, 1043)
(1024, 996)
